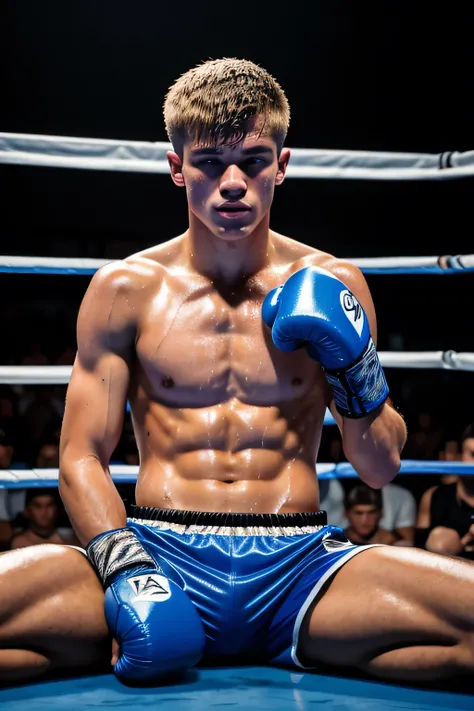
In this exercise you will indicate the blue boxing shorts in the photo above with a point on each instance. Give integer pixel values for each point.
(252, 577)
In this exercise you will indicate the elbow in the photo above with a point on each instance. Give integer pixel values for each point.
(379, 473)
(71, 467)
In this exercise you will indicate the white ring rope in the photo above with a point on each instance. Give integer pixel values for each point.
(60, 374)
(447, 264)
(24, 478)
(148, 157)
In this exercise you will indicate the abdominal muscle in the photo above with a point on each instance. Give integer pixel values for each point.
(231, 457)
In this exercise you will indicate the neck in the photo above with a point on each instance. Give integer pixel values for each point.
(40, 531)
(228, 260)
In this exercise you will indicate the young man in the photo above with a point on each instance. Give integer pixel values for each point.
(230, 341)
(363, 508)
(41, 513)
(446, 512)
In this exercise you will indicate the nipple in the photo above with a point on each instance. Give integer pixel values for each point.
(167, 382)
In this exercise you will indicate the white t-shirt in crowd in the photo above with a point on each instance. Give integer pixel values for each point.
(12, 502)
(399, 505)
(399, 508)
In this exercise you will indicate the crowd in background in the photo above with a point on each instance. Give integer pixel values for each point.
(428, 511)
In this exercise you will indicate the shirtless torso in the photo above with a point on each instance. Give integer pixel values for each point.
(224, 421)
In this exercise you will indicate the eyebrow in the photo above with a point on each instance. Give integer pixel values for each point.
(253, 150)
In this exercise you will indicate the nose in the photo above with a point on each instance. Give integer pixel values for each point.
(233, 185)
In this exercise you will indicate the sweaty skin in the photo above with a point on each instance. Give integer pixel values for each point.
(224, 421)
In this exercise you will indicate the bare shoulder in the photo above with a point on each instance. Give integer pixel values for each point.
(124, 284)
(126, 275)
(298, 256)
(347, 272)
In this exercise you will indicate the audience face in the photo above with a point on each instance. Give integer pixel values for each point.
(363, 519)
(42, 511)
(48, 456)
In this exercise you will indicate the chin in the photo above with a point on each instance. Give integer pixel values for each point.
(233, 235)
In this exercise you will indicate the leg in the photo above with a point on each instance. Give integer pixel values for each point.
(444, 540)
(51, 613)
(395, 613)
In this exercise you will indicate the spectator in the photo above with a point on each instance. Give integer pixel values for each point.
(399, 513)
(6, 456)
(41, 518)
(424, 439)
(446, 513)
(48, 456)
(363, 508)
(398, 506)
(450, 453)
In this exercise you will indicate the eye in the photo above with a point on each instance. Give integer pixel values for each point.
(209, 161)
(254, 161)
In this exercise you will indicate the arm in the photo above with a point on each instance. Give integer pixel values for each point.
(92, 426)
(423, 522)
(424, 509)
(372, 444)
(406, 535)
(95, 405)
(323, 308)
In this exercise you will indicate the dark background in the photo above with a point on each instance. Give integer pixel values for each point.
(375, 76)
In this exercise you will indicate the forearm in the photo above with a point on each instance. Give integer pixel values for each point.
(373, 444)
(90, 497)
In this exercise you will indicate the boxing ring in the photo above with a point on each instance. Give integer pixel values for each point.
(238, 687)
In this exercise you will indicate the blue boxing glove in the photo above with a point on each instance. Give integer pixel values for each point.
(154, 622)
(316, 310)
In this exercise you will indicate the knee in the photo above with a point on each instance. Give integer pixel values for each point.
(444, 541)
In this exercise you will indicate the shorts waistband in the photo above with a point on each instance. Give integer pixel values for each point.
(229, 523)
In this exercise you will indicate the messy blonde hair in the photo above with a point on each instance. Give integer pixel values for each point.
(213, 103)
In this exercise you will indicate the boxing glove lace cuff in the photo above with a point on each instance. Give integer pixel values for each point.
(116, 550)
(361, 388)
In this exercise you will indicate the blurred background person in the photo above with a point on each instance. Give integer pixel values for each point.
(363, 509)
(40, 520)
(399, 513)
(446, 511)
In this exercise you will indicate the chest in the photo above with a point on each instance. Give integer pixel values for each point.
(208, 349)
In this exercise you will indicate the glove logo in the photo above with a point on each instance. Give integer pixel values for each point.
(150, 588)
(353, 310)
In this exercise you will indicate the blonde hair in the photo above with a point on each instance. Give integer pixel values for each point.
(213, 103)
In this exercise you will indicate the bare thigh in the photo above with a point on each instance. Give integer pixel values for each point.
(51, 612)
(396, 613)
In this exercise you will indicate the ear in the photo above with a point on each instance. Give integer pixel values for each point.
(176, 168)
(283, 161)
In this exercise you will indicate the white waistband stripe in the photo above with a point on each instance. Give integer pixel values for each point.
(229, 530)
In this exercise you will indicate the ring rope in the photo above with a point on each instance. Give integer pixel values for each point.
(447, 264)
(123, 474)
(148, 157)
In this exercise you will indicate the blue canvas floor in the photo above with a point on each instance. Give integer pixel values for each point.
(231, 689)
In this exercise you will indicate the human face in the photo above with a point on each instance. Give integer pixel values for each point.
(42, 511)
(230, 188)
(363, 519)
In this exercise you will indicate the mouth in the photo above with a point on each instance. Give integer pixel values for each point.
(233, 211)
